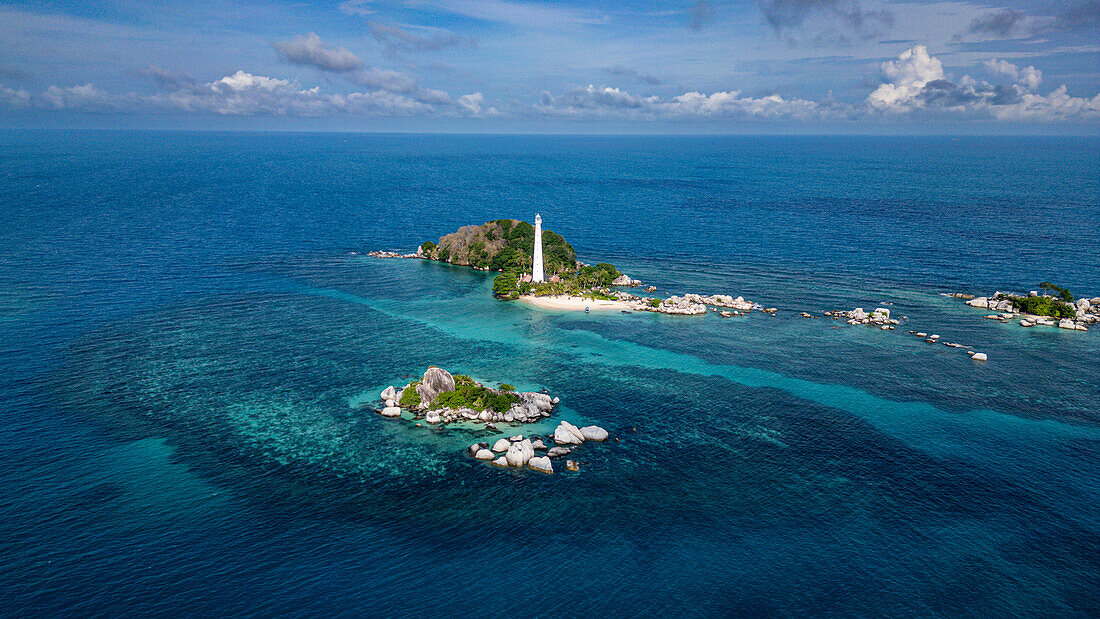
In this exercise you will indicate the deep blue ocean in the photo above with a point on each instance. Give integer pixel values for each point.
(188, 325)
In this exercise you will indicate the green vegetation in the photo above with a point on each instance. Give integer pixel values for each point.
(506, 387)
(1043, 306)
(476, 397)
(654, 302)
(409, 397)
(462, 379)
(503, 245)
(504, 285)
(610, 268)
(1058, 290)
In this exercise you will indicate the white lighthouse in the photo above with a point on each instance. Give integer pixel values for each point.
(536, 266)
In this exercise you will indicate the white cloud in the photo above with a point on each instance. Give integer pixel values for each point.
(920, 85)
(1028, 77)
(608, 102)
(15, 99)
(1057, 106)
(913, 69)
(474, 105)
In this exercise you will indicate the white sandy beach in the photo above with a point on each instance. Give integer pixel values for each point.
(572, 303)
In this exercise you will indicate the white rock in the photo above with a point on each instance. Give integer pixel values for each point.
(555, 452)
(568, 434)
(484, 454)
(519, 454)
(389, 393)
(432, 417)
(541, 464)
(979, 356)
(1083, 304)
(1066, 323)
(594, 433)
(502, 445)
(515, 439)
(538, 445)
(484, 416)
(501, 461)
(978, 302)
(391, 411)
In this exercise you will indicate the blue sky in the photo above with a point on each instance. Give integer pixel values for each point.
(505, 65)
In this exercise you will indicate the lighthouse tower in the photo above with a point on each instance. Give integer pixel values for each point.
(536, 267)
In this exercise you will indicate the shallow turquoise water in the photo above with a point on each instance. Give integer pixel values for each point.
(186, 327)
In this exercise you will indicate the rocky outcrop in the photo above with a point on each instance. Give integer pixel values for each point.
(1086, 311)
(541, 464)
(723, 300)
(879, 317)
(389, 393)
(568, 434)
(484, 454)
(624, 280)
(594, 433)
(391, 412)
(519, 454)
(435, 381)
(557, 452)
(502, 445)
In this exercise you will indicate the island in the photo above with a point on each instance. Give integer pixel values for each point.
(1056, 307)
(539, 267)
(440, 398)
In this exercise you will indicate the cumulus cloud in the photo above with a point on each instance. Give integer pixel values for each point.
(309, 50)
(912, 70)
(920, 86)
(1028, 77)
(608, 102)
(916, 86)
(474, 105)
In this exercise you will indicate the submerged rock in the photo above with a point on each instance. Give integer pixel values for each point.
(572, 465)
(557, 452)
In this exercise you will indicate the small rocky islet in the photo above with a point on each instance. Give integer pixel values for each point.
(439, 398)
(1057, 308)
